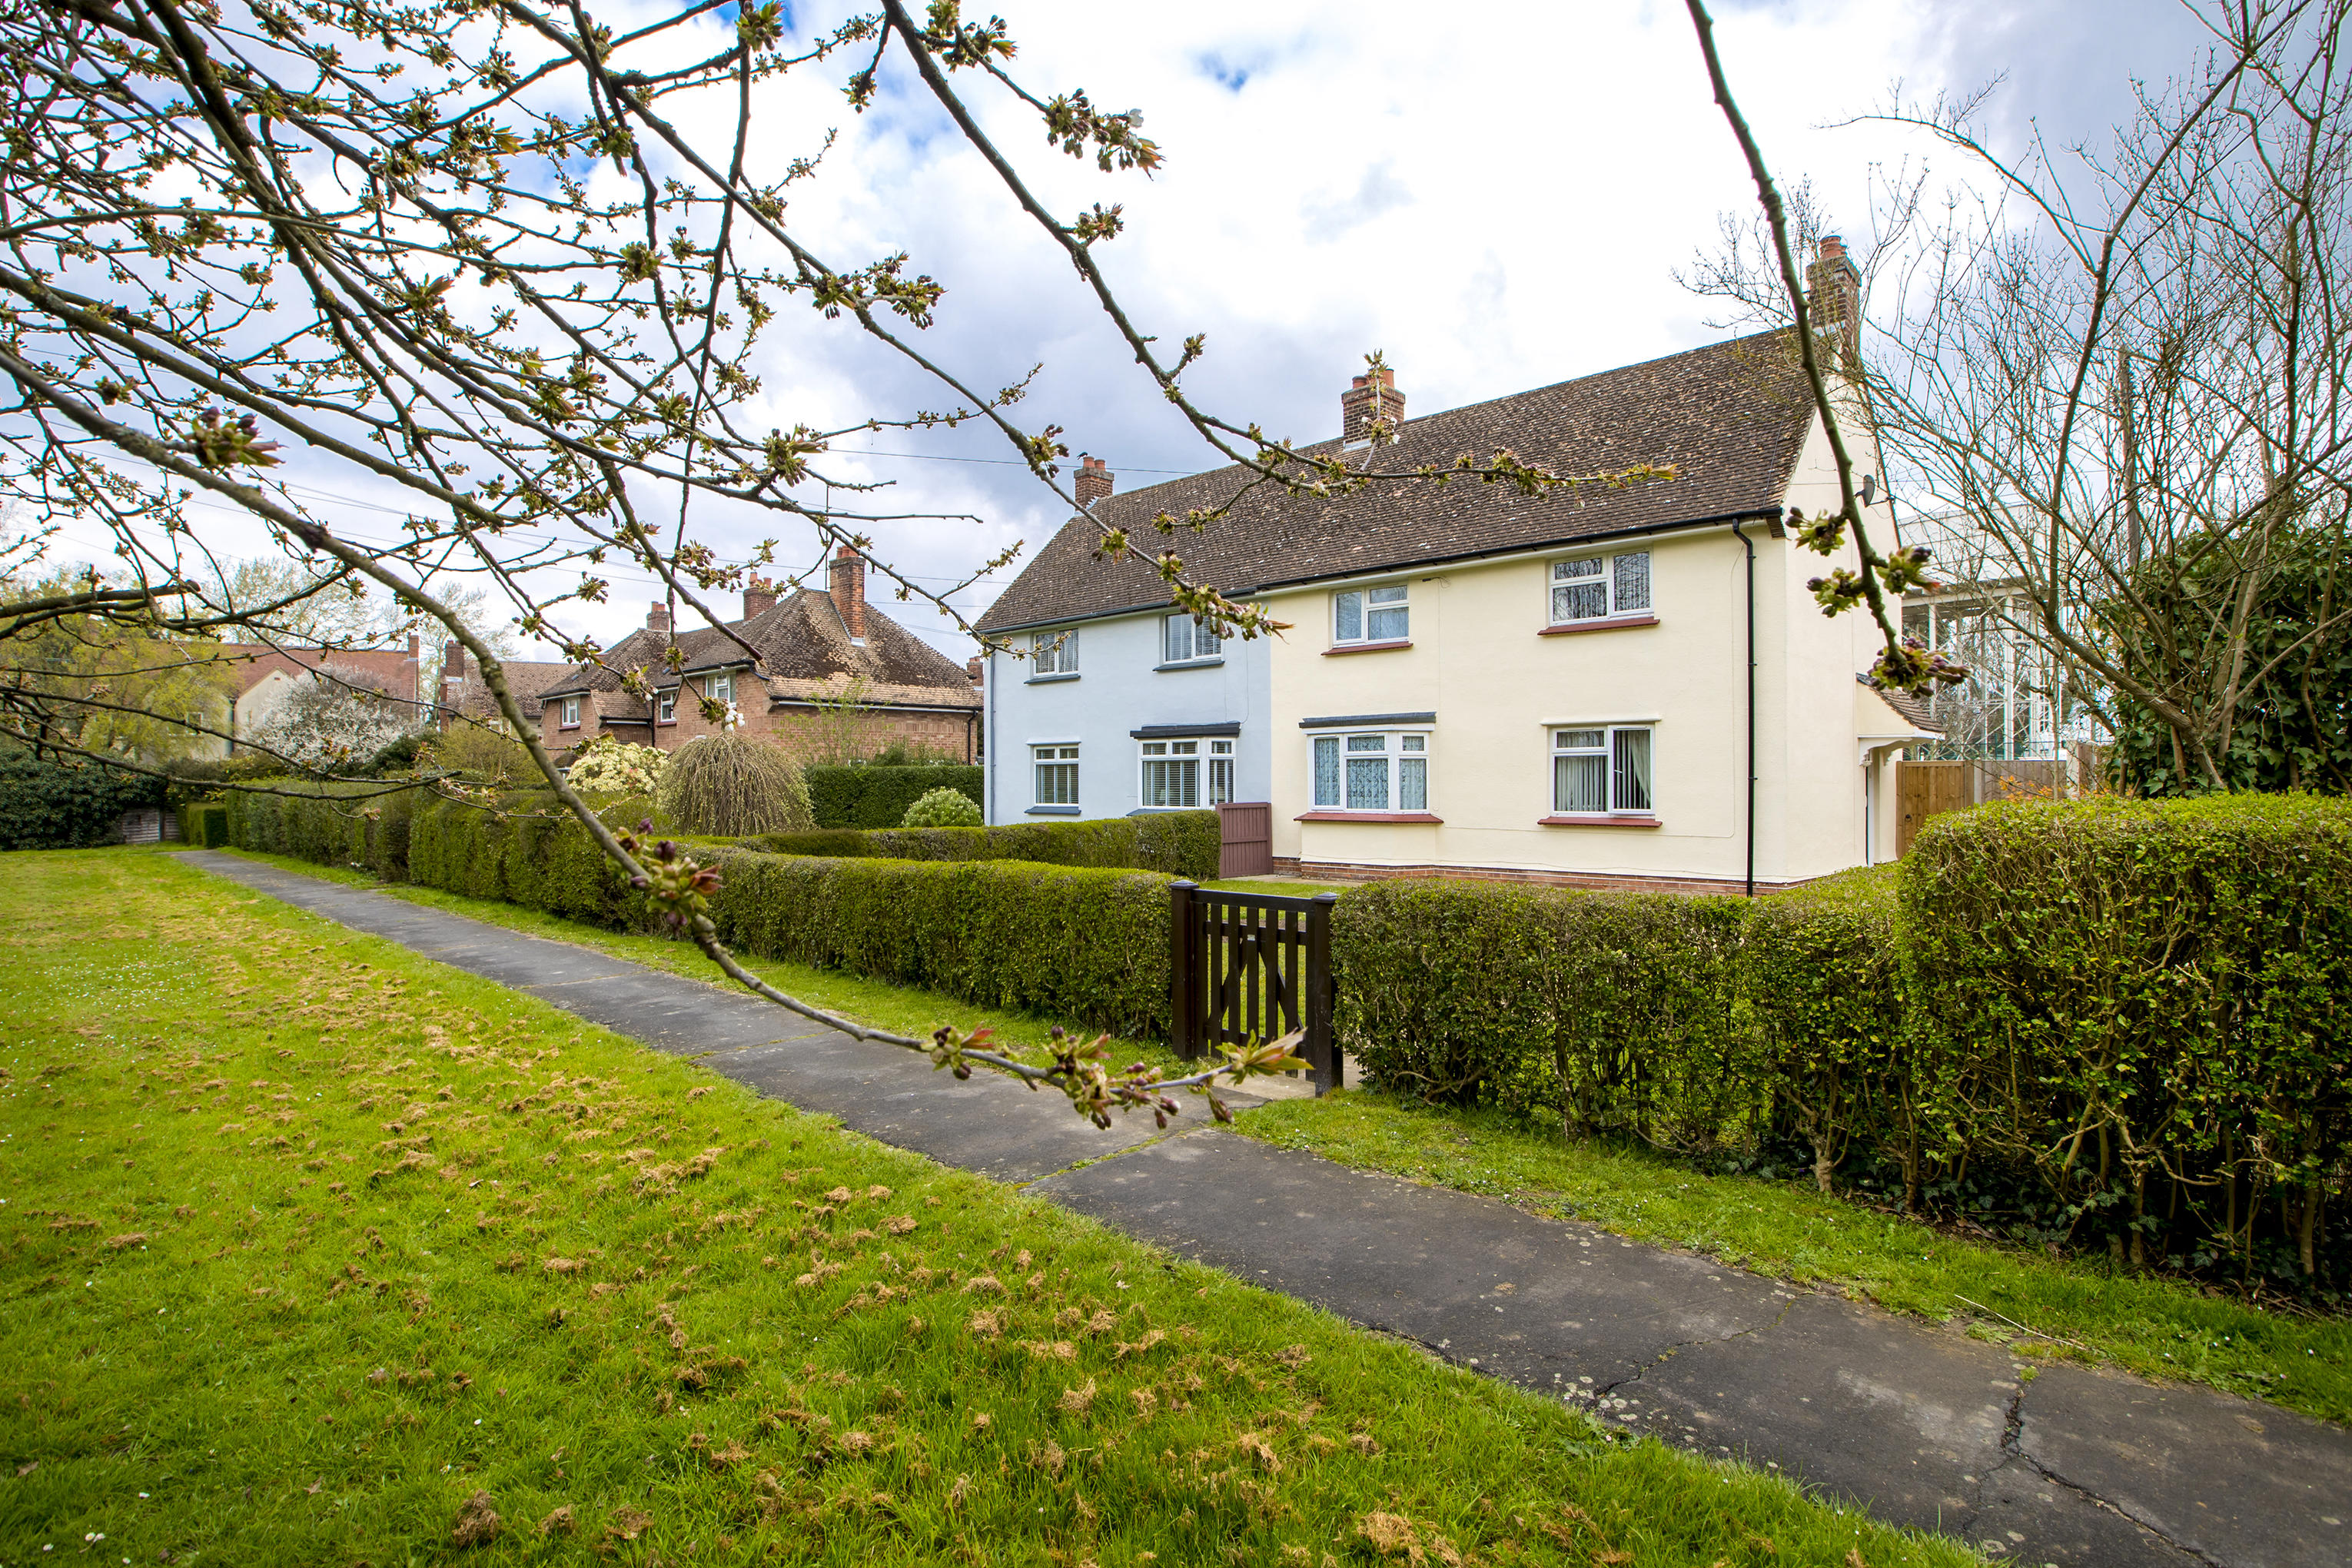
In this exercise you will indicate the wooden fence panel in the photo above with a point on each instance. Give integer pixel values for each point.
(1245, 829)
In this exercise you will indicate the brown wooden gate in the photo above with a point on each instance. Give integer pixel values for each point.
(1252, 966)
(1923, 790)
(1245, 832)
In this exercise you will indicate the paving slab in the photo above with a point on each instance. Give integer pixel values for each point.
(2071, 1467)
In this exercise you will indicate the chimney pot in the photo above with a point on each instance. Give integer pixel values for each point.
(1833, 293)
(657, 618)
(849, 591)
(1095, 480)
(1369, 397)
(759, 597)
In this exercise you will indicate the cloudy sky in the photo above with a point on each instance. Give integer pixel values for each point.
(1497, 198)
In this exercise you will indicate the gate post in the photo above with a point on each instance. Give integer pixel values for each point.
(1322, 1051)
(1183, 985)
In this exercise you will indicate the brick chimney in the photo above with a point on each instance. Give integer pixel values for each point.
(453, 672)
(1833, 294)
(849, 591)
(1095, 480)
(1363, 402)
(759, 597)
(657, 618)
(412, 670)
(971, 670)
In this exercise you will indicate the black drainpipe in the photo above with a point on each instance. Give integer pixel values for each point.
(1740, 531)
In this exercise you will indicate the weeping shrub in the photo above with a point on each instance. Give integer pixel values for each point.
(731, 785)
(942, 807)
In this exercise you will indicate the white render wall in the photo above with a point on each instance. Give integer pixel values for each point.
(1119, 689)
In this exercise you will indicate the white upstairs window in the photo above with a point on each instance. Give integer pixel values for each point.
(1371, 615)
(1055, 653)
(1183, 639)
(1600, 587)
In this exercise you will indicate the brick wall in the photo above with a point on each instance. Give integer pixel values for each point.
(1591, 881)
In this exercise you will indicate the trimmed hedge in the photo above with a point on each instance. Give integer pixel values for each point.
(49, 804)
(203, 825)
(1179, 843)
(1614, 1009)
(1085, 946)
(879, 797)
(2143, 1005)
(1089, 946)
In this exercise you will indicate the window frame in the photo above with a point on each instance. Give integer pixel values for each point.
(665, 707)
(1195, 634)
(1065, 754)
(1367, 609)
(1607, 579)
(718, 685)
(567, 713)
(1400, 744)
(1614, 773)
(1210, 757)
(1053, 656)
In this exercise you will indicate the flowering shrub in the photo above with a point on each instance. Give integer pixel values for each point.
(942, 807)
(612, 767)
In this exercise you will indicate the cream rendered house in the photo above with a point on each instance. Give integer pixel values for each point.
(1589, 687)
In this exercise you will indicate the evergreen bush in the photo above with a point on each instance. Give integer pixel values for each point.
(731, 785)
(942, 807)
(47, 805)
(868, 796)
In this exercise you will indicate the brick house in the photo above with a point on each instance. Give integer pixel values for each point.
(464, 693)
(812, 649)
(265, 676)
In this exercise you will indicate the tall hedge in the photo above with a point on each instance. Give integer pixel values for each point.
(2144, 1005)
(47, 804)
(879, 797)
(1179, 843)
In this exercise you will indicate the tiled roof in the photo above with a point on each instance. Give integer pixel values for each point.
(804, 651)
(392, 670)
(525, 679)
(1914, 708)
(1732, 416)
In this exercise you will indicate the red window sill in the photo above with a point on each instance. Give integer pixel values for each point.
(1614, 623)
(1590, 821)
(1368, 646)
(1365, 816)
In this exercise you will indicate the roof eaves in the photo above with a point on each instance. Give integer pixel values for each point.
(1645, 530)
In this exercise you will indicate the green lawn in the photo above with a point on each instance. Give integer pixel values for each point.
(315, 1251)
(2159, 1328)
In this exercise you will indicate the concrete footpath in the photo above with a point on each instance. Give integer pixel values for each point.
(1918, 1424)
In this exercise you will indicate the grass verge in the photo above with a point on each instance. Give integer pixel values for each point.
(902, 1010)
(2158, 1328)
(313, 1250)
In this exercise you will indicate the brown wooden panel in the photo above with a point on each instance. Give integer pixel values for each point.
(1923, 790)
(1245, 829)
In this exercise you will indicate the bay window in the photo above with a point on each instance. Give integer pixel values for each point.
(1371, 615)
(1375, 770)
(1600, 587)
(1602, 771)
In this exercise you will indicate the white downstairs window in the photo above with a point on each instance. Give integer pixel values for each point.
(1602, 771)
(1057, 774)
(1182, 774)
(1372, 770)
